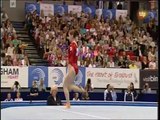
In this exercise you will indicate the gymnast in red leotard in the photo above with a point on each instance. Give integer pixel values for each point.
(72, 68)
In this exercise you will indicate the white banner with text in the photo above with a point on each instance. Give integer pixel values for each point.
(48, 9)
(122, 13)
(119, 78)
(74, 8)
(10, 74)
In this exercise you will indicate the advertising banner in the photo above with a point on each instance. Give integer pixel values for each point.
(150, 77)
(151, 15)
(74, 8)
(47, 8)
(56, 76)
(81, 77)
(122, 13)
(89, 9)
(109, 13)
(60, 9)
(10, 74)
(36, 74)
(12, 3)
(31, 7)
(119, 78)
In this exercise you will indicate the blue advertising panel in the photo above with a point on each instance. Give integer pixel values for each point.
(89, 9)
(109, 13)
(151, 15)
(60, 9)
(30, 7)
(37, 73)
(81, 77)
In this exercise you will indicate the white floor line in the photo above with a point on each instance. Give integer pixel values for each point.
(69, 111)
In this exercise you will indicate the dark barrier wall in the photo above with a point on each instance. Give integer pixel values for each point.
(93, 96)
(150, 77)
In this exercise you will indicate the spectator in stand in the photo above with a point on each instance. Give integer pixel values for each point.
(146, 88)
(4, 16)
(152, 64)
(41, 86)
(54, 99)
(151, 53)
(18, 97)
(145, 64)
(111, 63)
(113, 35)
(133, 91)
(121, 62)
(76, 97)
(138, 63)
(133, 65)
(108, 93)
(128, 96)
(16, 86)
(89, 86)
(9, 98)
(11, 46)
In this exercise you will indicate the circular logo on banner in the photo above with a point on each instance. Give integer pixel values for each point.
(31, 8)
(60, 10)
(87, 10)
(109, 14)
(57, 76)
(78, 79)
(38, 74)
(151, 15)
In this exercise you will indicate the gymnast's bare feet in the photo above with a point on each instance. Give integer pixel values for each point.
(67, 105)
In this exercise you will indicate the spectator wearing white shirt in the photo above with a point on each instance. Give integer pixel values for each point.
(146, 88)
(76, 97)
(152, 63)
(9, 97)
(4, 16)
(18, 97)
(10, 50)
(111, 63)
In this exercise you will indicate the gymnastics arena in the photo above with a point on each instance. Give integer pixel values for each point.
(79, 60)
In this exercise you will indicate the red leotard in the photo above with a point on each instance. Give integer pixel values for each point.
(72, 56)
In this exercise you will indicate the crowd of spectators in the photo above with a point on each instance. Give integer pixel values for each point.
(12, 48)
(101, 43)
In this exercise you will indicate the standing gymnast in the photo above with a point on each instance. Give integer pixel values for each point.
(72, 68)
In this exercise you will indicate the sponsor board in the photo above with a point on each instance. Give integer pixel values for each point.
(10, 74)
(56, 76)
(60, 9)
(122, 13)
(12, 3)
(31, 7)
(109, 13)
(150, 77)
(37, 73)
(47, 8)
(80, 77)
(89, 9)
(119, 78)
(74, 8)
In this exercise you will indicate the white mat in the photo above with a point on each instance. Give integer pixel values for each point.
(78, 112)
